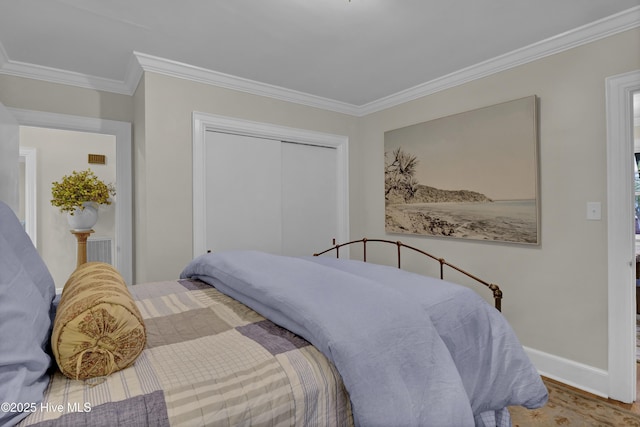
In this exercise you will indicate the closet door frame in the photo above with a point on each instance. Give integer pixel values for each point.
(204, 122)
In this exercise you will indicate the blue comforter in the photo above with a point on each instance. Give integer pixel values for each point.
(411, 350)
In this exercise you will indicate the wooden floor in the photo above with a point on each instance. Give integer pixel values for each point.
(633, 407)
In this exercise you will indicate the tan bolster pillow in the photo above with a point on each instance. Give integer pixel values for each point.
(98, 329)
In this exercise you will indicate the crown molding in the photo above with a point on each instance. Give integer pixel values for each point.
(140, 63)
(56, 75)
(597, 30)
(177, 69)
(133, 75)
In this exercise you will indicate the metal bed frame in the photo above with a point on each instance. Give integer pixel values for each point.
(497, 293)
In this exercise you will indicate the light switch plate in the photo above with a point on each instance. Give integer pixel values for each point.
(594, 211)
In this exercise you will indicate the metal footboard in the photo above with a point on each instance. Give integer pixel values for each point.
(497, 293)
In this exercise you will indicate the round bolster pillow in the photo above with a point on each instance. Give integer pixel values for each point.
(98, 329)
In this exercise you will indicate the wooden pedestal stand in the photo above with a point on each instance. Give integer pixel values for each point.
(81, 236)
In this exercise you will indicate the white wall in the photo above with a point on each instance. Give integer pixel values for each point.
(163, 160)
(29, 94)
(9, 151)
(59, 153)
(555, 293)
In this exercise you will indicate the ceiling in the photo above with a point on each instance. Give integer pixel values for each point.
(348, 51)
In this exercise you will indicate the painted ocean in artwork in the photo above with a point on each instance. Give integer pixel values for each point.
(471, 175)
(501, 220)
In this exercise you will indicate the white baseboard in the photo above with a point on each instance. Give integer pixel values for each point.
(570, 372)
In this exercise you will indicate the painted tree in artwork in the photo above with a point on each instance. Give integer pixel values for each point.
(399, 176)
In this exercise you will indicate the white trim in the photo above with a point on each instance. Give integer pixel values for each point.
(30, 192)
(621, 236)
(140, 62)
(124, 206)
(600, 29)
(203, 122)
(133, 74)
(584, 377)
(56, 75)
(214, 78)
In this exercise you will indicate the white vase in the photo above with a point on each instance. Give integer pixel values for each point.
(83, 219)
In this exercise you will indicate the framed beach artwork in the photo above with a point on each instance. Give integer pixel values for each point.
(472, 175)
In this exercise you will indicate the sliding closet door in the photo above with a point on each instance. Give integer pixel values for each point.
(243, 194)
(268, 195)
(309, 205)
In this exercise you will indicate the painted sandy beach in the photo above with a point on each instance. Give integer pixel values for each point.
(508, 220)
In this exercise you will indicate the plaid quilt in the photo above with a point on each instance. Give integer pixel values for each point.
(209, 360)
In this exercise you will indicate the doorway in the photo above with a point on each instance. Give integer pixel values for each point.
(620, 236)
(636, 149)
(60, 153)
(123, 209)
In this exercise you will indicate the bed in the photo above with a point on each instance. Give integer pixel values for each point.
(248, 338)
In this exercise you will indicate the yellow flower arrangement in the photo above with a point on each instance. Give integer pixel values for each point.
(78, 188)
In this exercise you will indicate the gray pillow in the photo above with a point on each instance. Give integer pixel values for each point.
(21, 246)
(26, 294)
